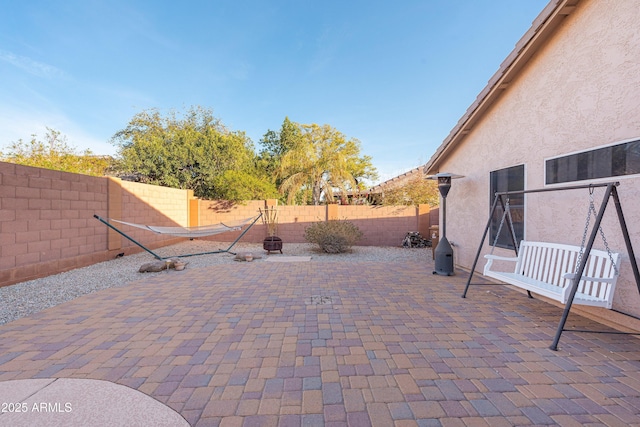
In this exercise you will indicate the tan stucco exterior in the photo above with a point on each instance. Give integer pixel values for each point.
(578, 90)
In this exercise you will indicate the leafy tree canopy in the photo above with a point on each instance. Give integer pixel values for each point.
(193, 151)
(57, 154)
(276, 144)
(238, 185)
(318, 160)
(415, 191)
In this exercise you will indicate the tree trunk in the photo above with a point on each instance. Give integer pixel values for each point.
(316, 194)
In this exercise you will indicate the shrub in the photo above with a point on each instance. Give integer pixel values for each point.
(333, 236)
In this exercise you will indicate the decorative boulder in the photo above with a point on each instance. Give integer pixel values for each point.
(156, 266)
(242, 256)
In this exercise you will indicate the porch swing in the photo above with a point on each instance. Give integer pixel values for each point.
(567, 274)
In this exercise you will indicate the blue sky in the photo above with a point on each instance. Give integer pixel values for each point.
(395, 74)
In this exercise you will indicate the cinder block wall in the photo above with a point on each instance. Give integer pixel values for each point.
(381, 226)
(47, 224)
(293, 220)
(151, 205)
(46, 221)
(217, 211)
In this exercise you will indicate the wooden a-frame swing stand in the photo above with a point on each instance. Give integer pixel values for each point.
(610, 192)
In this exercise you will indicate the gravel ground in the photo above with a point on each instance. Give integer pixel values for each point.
(26, 298)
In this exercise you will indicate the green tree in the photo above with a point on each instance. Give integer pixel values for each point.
(192, 151)
(320, 160)
(238, 185)
(57, 154)
(274, 145)
(415, 191)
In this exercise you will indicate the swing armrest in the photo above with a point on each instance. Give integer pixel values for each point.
(490, 258)
(501, 258)
(572, 276)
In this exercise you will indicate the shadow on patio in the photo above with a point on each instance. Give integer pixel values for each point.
(332, 344)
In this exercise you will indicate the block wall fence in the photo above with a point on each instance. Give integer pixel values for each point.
(380, 225)
(47, 224)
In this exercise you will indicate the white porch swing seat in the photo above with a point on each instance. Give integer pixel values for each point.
(549, 269)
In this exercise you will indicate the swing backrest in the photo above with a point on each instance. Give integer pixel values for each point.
(554, 263)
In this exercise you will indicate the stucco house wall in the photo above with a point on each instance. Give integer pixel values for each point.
(579, 91)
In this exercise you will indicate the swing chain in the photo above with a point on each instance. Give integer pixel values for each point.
(592, 209)
(586, 230)
(604, 240)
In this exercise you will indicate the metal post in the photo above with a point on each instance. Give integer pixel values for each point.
(124, 235)
(443, 235)
(583, 264)
(484, 236)
(627, 240)
(243, 233)
(497, 198)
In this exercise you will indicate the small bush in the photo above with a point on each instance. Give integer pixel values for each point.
(333, 236)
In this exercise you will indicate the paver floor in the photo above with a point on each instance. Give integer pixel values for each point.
(289, 344)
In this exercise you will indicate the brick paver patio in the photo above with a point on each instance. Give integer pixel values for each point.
(289, 344)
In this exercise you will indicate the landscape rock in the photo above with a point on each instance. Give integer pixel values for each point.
(156, 266)
(241, 256)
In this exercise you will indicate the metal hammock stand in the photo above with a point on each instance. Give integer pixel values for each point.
(610, 192)
(188, 232)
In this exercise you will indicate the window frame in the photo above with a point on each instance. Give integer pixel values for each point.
(547, 161)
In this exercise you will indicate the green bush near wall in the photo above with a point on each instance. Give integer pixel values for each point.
(333, 236)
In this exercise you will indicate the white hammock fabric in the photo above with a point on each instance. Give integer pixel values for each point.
(191, 232)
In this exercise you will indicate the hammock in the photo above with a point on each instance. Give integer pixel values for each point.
(188, 232)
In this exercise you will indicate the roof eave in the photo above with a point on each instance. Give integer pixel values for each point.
(542, 28)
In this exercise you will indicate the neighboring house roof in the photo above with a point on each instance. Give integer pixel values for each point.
(395, 181)
(542, 28)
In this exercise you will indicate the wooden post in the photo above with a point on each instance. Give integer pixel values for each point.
(424, 220)
(332, 212)
(193, 206)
